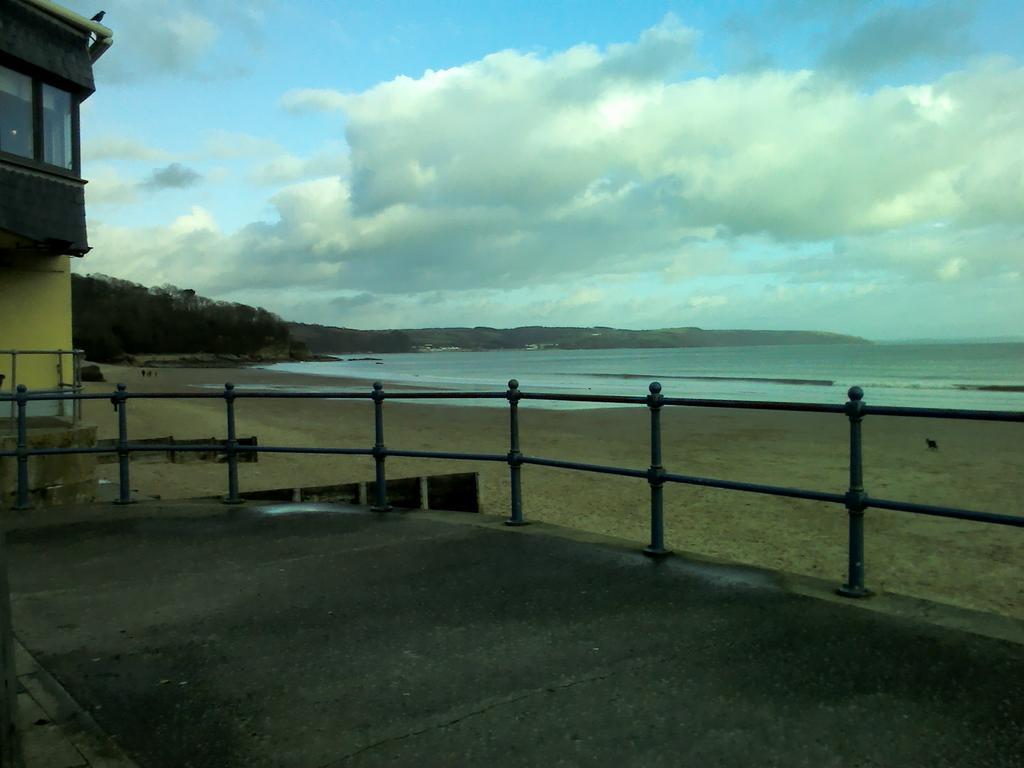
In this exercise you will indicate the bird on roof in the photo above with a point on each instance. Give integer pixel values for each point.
(98, 17)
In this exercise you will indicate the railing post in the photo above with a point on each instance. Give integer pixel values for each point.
(14, 381)
(232, 446)
(77, 388)
(856, 501)
(515, 457)
(655, 474)
(60, 381)
(380, 453)
(22, 500)
(120, 401)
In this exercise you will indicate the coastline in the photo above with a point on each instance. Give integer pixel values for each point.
(978, 466)
(962, 377)
(211, 360)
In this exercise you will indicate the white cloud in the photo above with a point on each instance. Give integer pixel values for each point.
(951, 269)
(518, 172)
(225, 145)
(700, 302)
(286, 168)
(111, 147)
(196, 39)
(159, 255)
(107, 186)
(198, 219)
(583, 296)
(179, 40)
(156, 38)
(313, 100)
(787, 153)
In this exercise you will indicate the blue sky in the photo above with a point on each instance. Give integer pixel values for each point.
(845, 166)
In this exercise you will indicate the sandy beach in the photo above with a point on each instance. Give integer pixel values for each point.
(978, 466)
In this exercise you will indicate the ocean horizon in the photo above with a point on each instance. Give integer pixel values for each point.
(979, 376)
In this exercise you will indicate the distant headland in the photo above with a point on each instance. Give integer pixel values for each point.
(323, 339)
(119, 321)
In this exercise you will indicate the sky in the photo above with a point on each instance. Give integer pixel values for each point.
(839, 165)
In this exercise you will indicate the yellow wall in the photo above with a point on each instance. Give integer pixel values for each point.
(35, 313)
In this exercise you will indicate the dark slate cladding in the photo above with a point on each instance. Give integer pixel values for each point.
(29, 36)
(43, 207)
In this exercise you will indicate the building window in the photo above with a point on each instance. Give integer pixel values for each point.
(36, 120)
(57, 127)
(16, 113)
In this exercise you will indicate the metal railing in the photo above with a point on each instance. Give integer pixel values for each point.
(10, 383)
(855, 498)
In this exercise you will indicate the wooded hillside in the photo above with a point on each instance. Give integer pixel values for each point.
(114, 318)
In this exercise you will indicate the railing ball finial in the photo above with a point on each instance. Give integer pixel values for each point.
(119, 395)
(513, 383)
(855, 393)
(378, 385)
(22, 389)
(655, 388)
(229, 386)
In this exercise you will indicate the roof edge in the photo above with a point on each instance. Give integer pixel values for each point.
(104, 35)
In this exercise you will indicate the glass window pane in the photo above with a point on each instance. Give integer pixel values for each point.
(15, 113)
(56, 126)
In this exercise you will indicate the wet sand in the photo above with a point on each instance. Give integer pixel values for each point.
(978, 466)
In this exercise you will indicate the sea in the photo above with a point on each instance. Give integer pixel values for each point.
(978, 376)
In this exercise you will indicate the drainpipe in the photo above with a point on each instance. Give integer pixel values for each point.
(104, 36)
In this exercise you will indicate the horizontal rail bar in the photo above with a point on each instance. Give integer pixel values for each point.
(624, 399)
(42, 351)
(878, 410)
(57, 395)
(755, 405)
(291, 449)
(59, 451)
(959, 514)
(443, 395)
(212, 395)
(192, 448)
(133, 448)
(447, 455)
(184, 447)
(942, 413)
(323, 395)
(770, 490)
(49, 394)
(837, 498)
(598, 468)
(167, 395)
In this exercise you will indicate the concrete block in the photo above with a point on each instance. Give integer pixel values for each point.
(403, 492)
(347, 493)
(458, 492)
(52, 479)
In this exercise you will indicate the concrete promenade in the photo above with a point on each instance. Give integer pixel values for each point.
(202, 635)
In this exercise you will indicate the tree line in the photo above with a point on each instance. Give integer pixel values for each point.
(113, 318)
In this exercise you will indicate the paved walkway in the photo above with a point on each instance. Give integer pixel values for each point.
(206, 636)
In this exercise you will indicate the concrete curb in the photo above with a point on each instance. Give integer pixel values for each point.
(55, 732)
